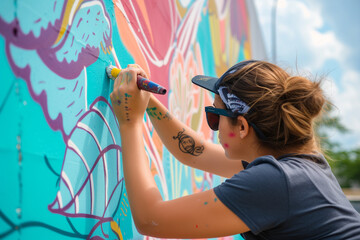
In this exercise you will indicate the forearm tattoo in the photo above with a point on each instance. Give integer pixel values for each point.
(187, 144)
(154, 113)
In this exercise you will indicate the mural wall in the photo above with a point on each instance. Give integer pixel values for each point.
(60, 150)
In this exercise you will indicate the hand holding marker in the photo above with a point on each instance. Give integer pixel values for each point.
(142, 83)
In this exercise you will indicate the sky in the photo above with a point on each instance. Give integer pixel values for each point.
(320, 38)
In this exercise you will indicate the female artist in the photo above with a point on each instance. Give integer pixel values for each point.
(279, 184)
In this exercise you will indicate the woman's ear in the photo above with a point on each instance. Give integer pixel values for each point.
(243, 127)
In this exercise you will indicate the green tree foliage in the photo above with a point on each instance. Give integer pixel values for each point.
(344, 163)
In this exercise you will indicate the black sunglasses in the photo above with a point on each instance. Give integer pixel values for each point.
(213, 118)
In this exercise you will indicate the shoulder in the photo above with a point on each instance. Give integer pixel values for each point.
(261, 174)
(264, 173)
(259, 190)
(267, 166)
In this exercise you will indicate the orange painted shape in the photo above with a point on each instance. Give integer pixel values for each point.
(223, 35)
(145, 15)
(130, 41)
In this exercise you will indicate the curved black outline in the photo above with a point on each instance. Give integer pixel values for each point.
(15, 227)
(52, 170)
(7, 96)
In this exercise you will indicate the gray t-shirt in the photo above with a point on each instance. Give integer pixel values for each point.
(290, 198)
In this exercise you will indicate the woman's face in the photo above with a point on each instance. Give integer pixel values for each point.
(228, 137)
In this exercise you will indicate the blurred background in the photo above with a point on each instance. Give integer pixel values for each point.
(60, 162)
(320, 39)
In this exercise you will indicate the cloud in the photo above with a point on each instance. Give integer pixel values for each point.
(299, 39)
(308, 41)
(346, 98)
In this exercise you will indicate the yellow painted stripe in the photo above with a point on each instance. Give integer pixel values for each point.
(116, 229)
(65, 21)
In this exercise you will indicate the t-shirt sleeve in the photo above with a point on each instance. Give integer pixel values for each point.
(257, 195)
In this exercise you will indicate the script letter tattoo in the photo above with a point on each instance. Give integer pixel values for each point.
(187, 144)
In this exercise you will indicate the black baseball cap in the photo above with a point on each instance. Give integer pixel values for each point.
(212, 83)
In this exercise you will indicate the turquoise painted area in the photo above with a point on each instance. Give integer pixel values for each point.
(21, 115)
(89, 17)
(8, 13)
(42, 79)
(33, 19)
(204, 40)
(60, 148)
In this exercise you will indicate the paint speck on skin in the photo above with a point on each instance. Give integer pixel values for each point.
(196, 226)
(215, 199)
(226, 145)
(205, 203)
(232, 134)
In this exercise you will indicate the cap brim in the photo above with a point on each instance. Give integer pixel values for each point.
(209, 83)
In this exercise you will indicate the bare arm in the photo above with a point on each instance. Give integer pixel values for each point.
(199, 215)
(187, 145)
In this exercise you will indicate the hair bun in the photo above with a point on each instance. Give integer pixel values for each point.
(304, 94)
(300, 102)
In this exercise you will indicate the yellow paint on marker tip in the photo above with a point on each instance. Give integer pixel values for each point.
(115, 72)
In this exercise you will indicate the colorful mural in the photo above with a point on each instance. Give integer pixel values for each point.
(61, 169)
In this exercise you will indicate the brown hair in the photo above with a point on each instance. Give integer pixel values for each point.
(283, 107)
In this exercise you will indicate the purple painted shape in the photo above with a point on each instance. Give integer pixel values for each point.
(71, 104)
(62, 211)
(112, 194)
(75, 86)
(47, 52)
(44, 45)
(13, 33)
(24, 73)
(79, 22)
(72, 41)
(95, 227)
(54, 206)
(81, 91)
(79, 113)
(38, 20)
(86, 57)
